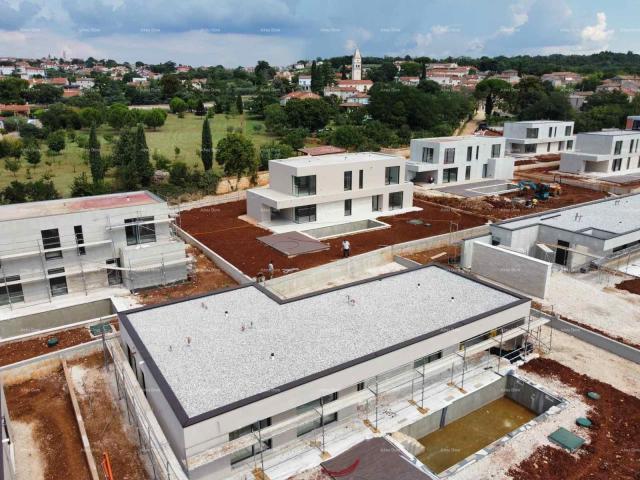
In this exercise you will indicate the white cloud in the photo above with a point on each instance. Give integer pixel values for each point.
(597, 33)
(519, 17)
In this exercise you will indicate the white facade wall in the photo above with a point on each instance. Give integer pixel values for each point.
(552, 136)
(21, 249)
(480, 149)
(595, 152)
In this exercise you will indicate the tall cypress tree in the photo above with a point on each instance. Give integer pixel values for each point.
(206, 150)
(316, 78)
(95, 159)
(239, 104)
(143, 167)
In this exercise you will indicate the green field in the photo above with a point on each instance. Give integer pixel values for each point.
(184, 133)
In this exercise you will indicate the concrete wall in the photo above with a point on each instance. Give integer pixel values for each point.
(55, 318)
(143, 260)
(528, 396)
(516, 270)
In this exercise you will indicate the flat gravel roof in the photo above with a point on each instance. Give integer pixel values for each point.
(615, 215)
(233, 333)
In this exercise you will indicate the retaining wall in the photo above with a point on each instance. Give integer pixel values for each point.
(528, 396)
(318, 277)
(220, 262)
(526, 274)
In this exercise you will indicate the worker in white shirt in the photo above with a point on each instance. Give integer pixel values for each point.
(346, 248)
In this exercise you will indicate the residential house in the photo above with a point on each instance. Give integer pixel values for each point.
(606, 152)
(539, 136)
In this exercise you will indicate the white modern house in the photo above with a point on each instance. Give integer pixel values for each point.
(53, 248)
(309, 192)
(539, 136)
(606, 152)
(238, 377)
(468, 158)
(304, 82)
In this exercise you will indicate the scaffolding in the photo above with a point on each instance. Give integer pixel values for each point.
(378, 403)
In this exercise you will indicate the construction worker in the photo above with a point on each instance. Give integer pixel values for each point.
(271, 269)
(346, 248)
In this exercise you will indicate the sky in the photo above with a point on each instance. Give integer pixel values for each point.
(241, 32)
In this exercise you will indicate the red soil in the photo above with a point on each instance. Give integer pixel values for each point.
(220, 229)
(34, 347)
(614, 448)
(632, 286)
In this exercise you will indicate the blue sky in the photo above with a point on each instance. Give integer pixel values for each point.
(240, 32)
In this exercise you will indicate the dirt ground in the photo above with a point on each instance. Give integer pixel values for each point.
(105, 425)
(613, 450)
(206, 278)
(17, 351)
(435, 255)
(632, 286)
(501, 207)
(45, 405)
(220, 229)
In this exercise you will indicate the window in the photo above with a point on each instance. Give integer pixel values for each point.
(77, 230)
(395, 200)
(51, 240)
(427, 155)
(305, 214)
(347, 180)
(628, 163)
(360, 387)
(531, 148)
(249, 452)
(304, 186)
(567, 131)
(361, 179)
(532, 133)
(58, 285)
(376, 203)
(114, 276)
(467, 173)
(569, 144)
(347, 208)
(617, 164)
(11, 293)
(428, 359)
(495, 150)
(477, 152)
(631, 147)
(485, 170)
(551, 131)
(449, 175)
(549, 147)
(469, 153)
(316, 405)
(392, 176)
(555, 131)
(140, 231)
(618, 148)
(449, 155)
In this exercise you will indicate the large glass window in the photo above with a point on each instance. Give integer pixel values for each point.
(114, 276)
(395, 200)
(618, 148)
(348, 180)
(376, 203)
(51, 240)
(140, 230)
(532, 133)
(495, 150)
(305, 214)
(304, 186)
(347, 207)
(469, 154)
(317, 406)
(485, 170)
(392, 175)
(467, 173)
(58, 285)
(569, 144)
(449, 175)
(77, 230)
(449, 155)
(567, 131)
(249, 452)
(531, 148)
(11, 293)
(427, 155)
(617, 164)
(428, 359)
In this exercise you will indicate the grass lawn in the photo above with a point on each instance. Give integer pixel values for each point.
(185, 133)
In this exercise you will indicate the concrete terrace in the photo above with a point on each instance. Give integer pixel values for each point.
(220, 351)
(612, 215)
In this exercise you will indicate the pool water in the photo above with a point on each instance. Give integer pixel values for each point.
(471, 433)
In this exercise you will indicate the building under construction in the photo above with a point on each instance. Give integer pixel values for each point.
(53, 248)
(241, 380)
